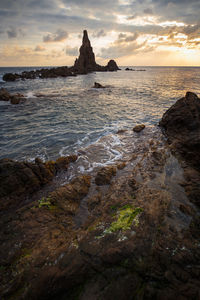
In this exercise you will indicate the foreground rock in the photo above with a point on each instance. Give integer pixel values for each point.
(84, 64)
(14, 99)
(138, 128)
(140, 239)
(182, 127)
(20, 179)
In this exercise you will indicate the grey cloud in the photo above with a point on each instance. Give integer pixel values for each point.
(148, 11)
(72, 51)
(99, 34)
(58, 36)
(116, 51)
(12, 33)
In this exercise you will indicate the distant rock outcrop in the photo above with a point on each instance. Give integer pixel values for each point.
(84, 64)
(112, 66)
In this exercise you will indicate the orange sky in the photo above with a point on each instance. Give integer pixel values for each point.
(149, 32)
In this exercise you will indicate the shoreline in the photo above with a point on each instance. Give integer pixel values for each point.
(132, 225)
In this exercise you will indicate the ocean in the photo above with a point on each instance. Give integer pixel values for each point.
(64, 116)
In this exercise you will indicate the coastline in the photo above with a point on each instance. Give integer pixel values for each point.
(132, 225)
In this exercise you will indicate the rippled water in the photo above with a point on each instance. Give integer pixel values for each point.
(70, 115)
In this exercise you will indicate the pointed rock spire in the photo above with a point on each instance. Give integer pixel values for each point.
(86, 61)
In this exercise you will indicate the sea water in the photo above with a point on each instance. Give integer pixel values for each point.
(61, 116)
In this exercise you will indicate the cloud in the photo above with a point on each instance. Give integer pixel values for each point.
(148, 11)
(72, 51)
(59, 36)
(39, 48)
(15, 32)
(12, 33)
(99, 34)
(115, 51)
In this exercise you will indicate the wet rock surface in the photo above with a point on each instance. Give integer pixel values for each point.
(138, 128)
(14, 99)
(140, 239)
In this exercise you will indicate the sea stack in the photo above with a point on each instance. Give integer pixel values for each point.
(86, 61)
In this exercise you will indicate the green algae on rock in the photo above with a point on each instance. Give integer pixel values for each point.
(127, 215)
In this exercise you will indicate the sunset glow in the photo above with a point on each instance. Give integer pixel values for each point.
(134, 33)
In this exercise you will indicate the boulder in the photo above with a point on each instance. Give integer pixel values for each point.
(4, 95)
(182, 126)
(112, 66)
(10, 77)
(23, 178)
(138, 128)
(98, 86)
(104, 175)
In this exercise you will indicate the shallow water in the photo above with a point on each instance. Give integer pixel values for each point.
(69, 114)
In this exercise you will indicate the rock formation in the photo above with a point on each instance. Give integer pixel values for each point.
(14, 99)
(112, 66)
(140, 239)
(182, 126)
(84, 64)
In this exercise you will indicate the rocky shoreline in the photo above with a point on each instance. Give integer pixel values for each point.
(140, 238)
(84, 64)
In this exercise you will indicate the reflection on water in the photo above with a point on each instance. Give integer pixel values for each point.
(69, 114)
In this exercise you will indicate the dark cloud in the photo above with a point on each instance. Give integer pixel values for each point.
(12, 33)
(59, 36)
(148, 11)
(15, 32)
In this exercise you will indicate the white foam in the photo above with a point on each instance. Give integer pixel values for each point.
(30, 95)
(1, 79)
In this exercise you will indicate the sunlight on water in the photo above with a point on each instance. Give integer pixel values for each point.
(63, 115)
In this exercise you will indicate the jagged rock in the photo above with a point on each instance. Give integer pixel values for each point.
(138, 128)
(112, 66)
(105, 175)
(182, 126)
(86, 61)
(98, 86)
(23, 178)
(84, 64)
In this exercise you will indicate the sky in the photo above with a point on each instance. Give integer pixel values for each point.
(133, 32)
